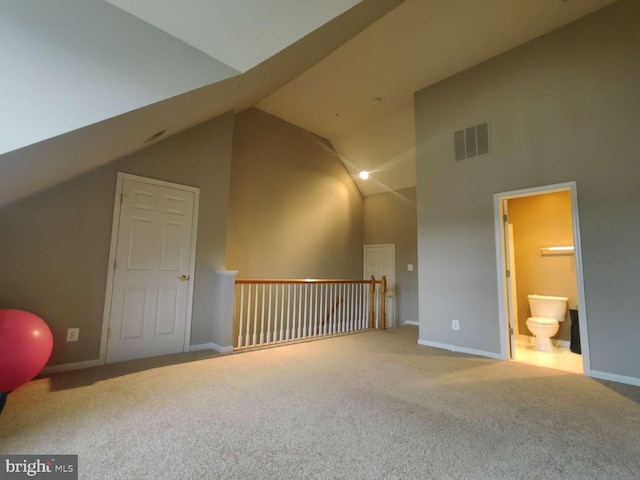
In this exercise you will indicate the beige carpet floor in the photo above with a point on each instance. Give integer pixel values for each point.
(365, 406)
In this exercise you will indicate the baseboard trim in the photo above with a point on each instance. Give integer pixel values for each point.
(65, 367)
(210, 346)
(411, 322)
(615, 378)
(455, 348)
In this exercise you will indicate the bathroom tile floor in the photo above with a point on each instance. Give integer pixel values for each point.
(560, 358)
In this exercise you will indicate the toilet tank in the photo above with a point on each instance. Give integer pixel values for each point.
(548, 306)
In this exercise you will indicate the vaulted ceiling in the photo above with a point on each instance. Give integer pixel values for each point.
(360, 97)
(89, 80)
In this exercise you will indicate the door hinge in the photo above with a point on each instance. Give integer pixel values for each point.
(510, 330)
(508, 273)
(108, 333)
(505, 219)
(115, 263)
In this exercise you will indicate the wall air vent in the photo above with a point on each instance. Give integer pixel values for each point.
(472, 142)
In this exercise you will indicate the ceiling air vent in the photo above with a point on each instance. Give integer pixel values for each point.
(472, 142)
(155, 136)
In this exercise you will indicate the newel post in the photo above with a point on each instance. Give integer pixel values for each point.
(224, 295)
(372, 302)
(383, 304)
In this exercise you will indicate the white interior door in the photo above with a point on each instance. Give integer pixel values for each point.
(152, 270)
(510, 275)
(379, 261)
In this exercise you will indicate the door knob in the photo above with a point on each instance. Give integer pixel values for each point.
(183, 278)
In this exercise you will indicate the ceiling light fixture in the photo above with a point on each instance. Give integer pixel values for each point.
(364, 175)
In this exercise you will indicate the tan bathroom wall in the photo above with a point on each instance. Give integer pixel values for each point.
(543, 221)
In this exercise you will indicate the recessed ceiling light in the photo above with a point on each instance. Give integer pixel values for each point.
(364, 175)
(155, 135)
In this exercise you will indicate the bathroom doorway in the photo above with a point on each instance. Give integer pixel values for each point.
(538, 253)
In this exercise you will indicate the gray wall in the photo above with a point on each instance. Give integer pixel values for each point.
(391, 218)
(563, 107)
(54, 246)
(295, 211)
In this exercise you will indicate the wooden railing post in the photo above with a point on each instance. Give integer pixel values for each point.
(372, 302)
(383, 303)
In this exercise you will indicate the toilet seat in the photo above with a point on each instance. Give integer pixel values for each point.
(543, 320)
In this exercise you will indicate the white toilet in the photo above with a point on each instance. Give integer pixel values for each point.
(547, 313)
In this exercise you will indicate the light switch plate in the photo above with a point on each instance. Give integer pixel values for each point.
(410, 267)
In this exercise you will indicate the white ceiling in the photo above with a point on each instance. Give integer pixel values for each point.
(417, 44)
(240, 33)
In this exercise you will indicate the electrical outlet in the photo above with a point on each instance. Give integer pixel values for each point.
(73, 334)
(455, 324)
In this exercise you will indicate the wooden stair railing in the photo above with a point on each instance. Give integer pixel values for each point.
(277, 311)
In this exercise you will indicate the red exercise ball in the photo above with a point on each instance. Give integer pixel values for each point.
(25, 347)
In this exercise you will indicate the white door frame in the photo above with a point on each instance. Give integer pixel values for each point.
(364, 263)
(112, 255)
(498, 198)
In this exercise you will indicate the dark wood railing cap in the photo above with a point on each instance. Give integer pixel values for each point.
(298, 281)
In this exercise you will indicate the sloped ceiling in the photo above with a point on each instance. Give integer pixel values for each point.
(240, 33)
(45, 163)
(67, 64)
(417, 44)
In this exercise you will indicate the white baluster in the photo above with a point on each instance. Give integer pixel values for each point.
(248, 316)
(362, 311)
(255, 318)
(241, 314)
(338, 308)
(281, 313)
(294, 308)
(264, 287)
(325, 310)
(344, 307)
(275, 314)
(334, 309)
(316, 289)
(345, 323)
(357, 305)
(306, 310)
(299, 316)
(350, 307)
(356, 319)
(289, 308)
